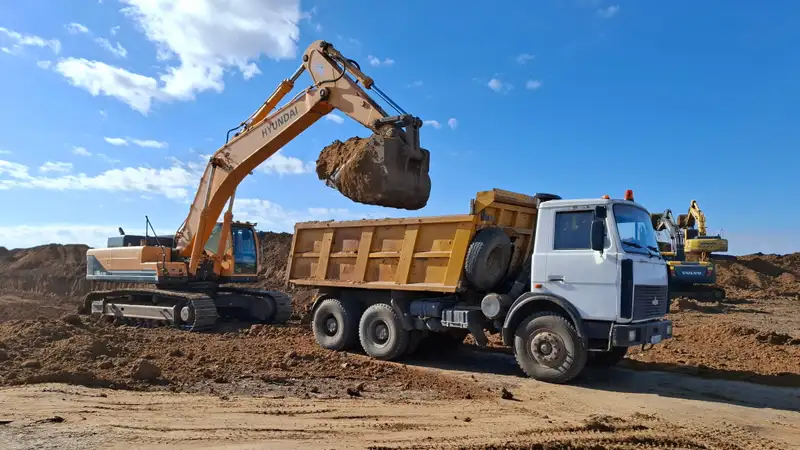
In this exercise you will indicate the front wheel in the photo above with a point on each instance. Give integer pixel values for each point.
(548, 348)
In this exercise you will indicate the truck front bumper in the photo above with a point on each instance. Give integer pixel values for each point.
(629, 335)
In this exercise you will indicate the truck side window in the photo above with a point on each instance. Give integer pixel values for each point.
(573, 230)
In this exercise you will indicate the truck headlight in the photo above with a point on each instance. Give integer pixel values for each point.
(631, 335)
(669, 330)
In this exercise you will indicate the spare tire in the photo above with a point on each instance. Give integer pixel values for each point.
(488, 258)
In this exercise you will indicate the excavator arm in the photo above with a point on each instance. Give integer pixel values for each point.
(265, 132)
(694, 217)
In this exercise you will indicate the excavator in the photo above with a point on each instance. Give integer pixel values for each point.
(692, 271)
(193, 278)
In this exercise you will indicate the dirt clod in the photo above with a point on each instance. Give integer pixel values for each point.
(505, 394)
(145, 370)
(353, 392)
(31, 364)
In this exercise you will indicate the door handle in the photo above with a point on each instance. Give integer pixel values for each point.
(556, 278)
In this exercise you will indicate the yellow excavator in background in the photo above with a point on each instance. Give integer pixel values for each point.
(191, 273)
(692, 271)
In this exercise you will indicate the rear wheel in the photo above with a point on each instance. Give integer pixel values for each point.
(607, 359)
(548, 348)
(335, 324)
(381, 333)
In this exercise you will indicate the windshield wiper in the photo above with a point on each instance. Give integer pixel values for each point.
(648, 249)
(632, 244)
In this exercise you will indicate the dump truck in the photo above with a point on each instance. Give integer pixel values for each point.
(564, 282)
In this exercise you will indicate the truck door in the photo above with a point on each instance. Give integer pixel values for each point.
(586, 278)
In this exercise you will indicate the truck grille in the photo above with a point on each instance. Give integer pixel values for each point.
(649, 301)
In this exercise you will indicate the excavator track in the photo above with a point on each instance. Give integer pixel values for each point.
(280, 303)
(187, 310)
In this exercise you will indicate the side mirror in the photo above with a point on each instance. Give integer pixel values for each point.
(598, 235)
(599, 212)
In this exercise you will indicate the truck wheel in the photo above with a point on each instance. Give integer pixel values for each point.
(488, 258)
(547, 347)
(381, 333)
(335, 324)
(607, 359)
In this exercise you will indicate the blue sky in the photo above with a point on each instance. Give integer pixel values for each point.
(109, 107)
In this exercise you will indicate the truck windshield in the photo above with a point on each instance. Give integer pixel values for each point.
(635, 229)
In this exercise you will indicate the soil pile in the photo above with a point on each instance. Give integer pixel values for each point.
(376, 171)
(760, 275)
(47, 270)
(85, 351)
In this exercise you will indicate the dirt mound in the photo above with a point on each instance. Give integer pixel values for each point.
(274, 253)
(376, 171)
(708, 347)
(95, 353)
(771, 274)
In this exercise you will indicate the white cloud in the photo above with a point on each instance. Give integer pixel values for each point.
(98, 78)
(286, 165)
(335, 118)
(116, 141)
(114, 30)
(375, 61)
(523, 58)
(76, 28)
(59, 167)
(452, 123)
(146, 143)
(172, 182)
(81, 151)
(44, 64)
(205, 37)
(417, 83)
(608, 12)
(272, 216)
(5, 152)
(149, 143)
(499, 86)
(103, 113)
(433, 123)
(19, 40)
(533, 84)
(118, 50)
(22, 236)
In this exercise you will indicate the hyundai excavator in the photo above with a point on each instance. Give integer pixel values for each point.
(692, 272)
(190, 279)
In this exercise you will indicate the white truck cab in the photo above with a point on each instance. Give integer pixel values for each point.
(598, 260)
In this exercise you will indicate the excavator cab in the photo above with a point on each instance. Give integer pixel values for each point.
(240, 260)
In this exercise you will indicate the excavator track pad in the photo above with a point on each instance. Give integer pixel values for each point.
(380, 170)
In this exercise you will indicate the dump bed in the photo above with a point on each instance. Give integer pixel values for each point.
(416, 254)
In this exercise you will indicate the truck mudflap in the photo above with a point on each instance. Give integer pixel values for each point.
(629, 335)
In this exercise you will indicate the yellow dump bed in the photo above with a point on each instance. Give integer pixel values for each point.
(415, 254)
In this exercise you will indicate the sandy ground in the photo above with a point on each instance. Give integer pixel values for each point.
(615, 409)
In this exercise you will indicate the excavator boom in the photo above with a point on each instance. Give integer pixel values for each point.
(397, 166)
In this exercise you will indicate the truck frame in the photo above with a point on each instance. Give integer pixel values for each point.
(563, 281)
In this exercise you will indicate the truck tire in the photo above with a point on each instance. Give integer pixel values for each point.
(381, 333)
(547, 347)
(607, 359)
(488, 258)
(335, 324)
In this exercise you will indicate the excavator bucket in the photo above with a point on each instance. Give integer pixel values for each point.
(381, 170)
